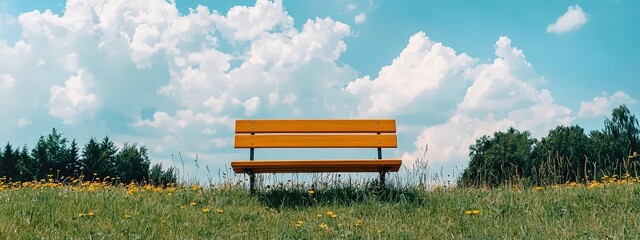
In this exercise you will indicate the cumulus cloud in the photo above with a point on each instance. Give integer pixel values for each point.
(243, 23)
(251, 105)
(503, 94)
(423, 69)
(351, 6)
(571, 20)
(360, 18)
(73, 101)
(6, 81)
(603, 105)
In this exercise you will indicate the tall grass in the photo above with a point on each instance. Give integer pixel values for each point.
(609, 208)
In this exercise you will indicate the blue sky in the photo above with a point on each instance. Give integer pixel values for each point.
(174, 77)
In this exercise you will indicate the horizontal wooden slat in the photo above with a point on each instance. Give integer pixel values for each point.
(316, 141)
(317, 126)
(311, 166)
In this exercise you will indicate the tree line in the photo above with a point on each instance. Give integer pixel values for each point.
(54, 157)
(566, 154)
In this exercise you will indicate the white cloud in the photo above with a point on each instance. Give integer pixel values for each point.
(360, 18)
(505, 84)
(73, 101)
(351, 6)
(6, 81)
(423, 69)
(251, 105)
(571, 20)
(181, 120)
(503, 94)
(603, 105)
(247, 23)
(22, 122)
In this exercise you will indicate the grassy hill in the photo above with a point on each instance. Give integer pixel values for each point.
(608, 209)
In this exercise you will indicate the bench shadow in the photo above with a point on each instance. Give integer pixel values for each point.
(288, 197)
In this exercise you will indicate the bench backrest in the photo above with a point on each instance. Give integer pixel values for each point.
(350, 133)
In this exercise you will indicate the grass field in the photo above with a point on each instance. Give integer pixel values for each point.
(609, 209)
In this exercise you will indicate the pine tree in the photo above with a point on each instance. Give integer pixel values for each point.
(41, 159)
(107, 158)
(72, 163)
(8, 161)
(27, 167)
(90, 162)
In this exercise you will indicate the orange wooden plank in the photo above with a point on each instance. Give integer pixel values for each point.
(309, 166)
(316, 141)
(317, 126)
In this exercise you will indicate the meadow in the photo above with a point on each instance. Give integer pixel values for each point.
(105, 209)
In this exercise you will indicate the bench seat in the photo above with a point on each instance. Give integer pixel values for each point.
(308, 166)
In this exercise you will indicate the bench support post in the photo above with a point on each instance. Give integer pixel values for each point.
(383, 175)
(252, 180)
(383, 172)
(252, 177)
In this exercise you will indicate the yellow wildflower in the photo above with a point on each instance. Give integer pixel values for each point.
(324, 226)
(127, 216)
(299, 223)
(91, 214)
(81, 214)
(311, 192)
(219, 210)
(475, 212)
(330, 212)
(183, 207)
(319, 215)
(193, 204)
(205, 210)
(358, 223)
(468, 212)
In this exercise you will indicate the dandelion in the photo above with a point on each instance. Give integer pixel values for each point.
(311, 192)
(91, 214)
(193, 204)
(324, 226)
(127, 216)
(472, 212)
(358, 223)
(299, 223)
(330, 213)
(183, 207)
(205, 210)
(81, 214)
(219, 210)
(538, 188)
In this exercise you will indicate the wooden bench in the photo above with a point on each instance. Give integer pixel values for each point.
(373, 133)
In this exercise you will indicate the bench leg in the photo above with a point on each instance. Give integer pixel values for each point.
(383, 174)
(252, 181)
